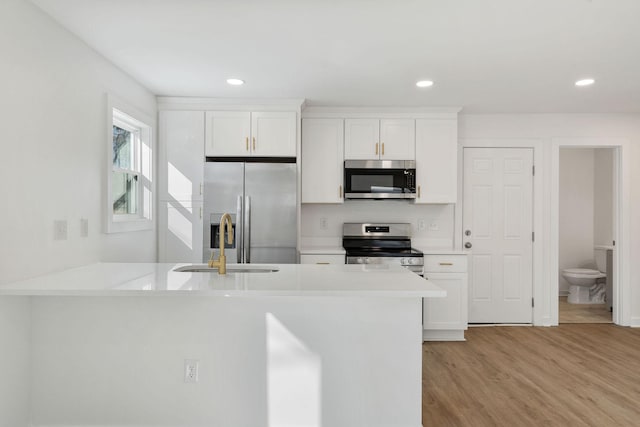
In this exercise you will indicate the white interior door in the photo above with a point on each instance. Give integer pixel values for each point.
(498, 228)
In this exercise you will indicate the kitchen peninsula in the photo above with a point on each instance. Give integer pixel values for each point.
(143, 345)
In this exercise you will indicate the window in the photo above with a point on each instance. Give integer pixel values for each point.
(129, 194)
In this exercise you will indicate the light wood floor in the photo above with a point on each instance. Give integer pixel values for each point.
(570, 375)
(583, 313)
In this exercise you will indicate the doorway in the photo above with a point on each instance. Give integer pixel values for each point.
(621, 287)
(586, 222)
(497, 222)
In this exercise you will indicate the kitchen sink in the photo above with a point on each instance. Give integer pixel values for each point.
(231, 268)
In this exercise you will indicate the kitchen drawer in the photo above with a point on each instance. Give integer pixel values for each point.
(322, 259)
(445, 263)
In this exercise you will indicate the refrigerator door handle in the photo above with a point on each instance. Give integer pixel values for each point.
(247, 229)
(238, 234)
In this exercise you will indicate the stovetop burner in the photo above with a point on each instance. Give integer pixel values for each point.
(383, 252)
(381, 244)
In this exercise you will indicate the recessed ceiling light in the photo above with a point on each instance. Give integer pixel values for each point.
(585, 82)
(235, 82)
(424, 83)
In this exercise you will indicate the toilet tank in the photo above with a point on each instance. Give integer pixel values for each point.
(600, 254)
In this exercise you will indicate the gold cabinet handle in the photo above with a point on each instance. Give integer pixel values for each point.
(254, 143)
(200, 212)
(340, 192)
(382, 144)
(322, 263)
(376, 148)
(246, 140)
(418, 191)
(446, 263)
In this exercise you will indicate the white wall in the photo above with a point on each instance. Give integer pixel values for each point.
(433, 216)
(603, 197)
(546, 127)
(52, 122)
(15, 337)
(576, 217)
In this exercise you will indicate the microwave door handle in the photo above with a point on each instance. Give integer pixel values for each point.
(247, 229)
(238, 234)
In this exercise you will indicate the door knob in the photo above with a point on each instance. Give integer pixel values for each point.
(468, 245)
(467, 233)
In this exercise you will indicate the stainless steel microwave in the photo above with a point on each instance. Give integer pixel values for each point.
(380, 179)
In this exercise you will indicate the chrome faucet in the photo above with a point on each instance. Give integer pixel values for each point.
(221, 262)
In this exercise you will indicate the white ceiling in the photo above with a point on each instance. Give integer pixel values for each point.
(486, 56)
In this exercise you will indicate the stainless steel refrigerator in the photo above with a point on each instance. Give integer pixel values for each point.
(261, 198)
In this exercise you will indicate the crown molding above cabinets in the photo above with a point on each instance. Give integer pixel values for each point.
(381, 113)
(230, 104)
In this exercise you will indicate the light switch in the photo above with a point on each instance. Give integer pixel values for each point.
(60, 229)
(84, 227)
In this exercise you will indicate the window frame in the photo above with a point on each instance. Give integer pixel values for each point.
(123, 115)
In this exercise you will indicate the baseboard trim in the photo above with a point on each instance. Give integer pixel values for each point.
(635, 322)
(443, 335)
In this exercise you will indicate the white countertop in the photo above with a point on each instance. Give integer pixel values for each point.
(128, 279)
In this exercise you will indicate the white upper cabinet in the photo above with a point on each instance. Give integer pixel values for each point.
(181, 159)
(241, 134)
(397, 139)
(228, 133)
(273, 134)
(436, 160)
(386, 139)
(322, 160)
(362, 139)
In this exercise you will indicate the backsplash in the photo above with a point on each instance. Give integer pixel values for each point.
(431, 225)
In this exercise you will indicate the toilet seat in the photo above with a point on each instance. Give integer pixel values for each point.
(583, 272)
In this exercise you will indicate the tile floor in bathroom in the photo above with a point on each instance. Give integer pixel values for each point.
(583, 313)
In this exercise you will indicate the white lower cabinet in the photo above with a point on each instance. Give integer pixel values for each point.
(180, 232)
(322, 258)
(445, 319)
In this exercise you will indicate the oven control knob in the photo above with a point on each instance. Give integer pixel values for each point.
(367, 260)
(360, 260)
(403, 261)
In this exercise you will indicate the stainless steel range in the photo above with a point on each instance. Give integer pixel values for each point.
(367, 243)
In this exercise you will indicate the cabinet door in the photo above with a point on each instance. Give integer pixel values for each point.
(449, 312)
(322, 160)
(361, 139)
(322, 259)
(436, 161)
(397, 139)
(180, 232)
(181, 160)
(228, 133)
(273, 134)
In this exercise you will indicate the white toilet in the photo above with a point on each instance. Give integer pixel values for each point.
(582, 281)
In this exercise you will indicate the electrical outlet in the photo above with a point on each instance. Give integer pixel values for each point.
(84, 227)
(324, 223)
(60, 229)
(422, 224)
(191, 368)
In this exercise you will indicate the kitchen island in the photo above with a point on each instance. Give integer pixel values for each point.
(306, 345)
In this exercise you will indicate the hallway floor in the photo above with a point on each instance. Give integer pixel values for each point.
(583, 313)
